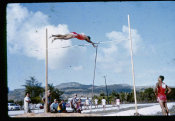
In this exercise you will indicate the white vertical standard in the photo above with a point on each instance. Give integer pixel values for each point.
(94, 75)
(46, 83)
(133, 76)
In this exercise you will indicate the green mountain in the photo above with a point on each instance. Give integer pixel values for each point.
(71, 88)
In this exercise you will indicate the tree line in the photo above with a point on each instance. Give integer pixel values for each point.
(143, 96)
(37, 92)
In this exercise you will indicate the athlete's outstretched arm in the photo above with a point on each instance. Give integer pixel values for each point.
(156, 89)
(88, 40)
(169, 90)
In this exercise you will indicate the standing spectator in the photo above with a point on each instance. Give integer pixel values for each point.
(113, 102)
(90, 102)
(49, 100)
(103, 103)
(54, 106)
(73, 103)
(96, 103)
(26, 103)
(87, 103)
(81, 105)
(118, 103)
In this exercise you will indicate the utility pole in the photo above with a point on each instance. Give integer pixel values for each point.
(106, 89)
(46, 82)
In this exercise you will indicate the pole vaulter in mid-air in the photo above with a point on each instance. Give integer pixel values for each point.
(73, 35)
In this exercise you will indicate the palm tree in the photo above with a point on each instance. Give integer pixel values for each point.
(55, 93)
(34, 88)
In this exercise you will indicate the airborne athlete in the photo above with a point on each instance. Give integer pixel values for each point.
(73, 35)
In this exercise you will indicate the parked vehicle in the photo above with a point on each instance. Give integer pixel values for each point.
(13, 106)
(39, 106)
(22, 107)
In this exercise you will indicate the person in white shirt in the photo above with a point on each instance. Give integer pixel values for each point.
(26, 103)
(54, 106)
(96, 103)
(118, 103)
(103, 101)
(87, 103)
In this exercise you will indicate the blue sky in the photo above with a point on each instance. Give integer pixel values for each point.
(153, 36)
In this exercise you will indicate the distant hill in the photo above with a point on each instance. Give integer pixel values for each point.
(17, 94)
(71, 88)
(70, 84)
(86, 90)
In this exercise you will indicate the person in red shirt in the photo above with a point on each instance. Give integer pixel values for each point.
(161, 91)
(73, 35)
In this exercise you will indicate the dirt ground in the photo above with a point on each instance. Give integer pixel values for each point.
(56, 115)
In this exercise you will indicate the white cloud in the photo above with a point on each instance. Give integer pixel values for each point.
(116, 56)
(136, 39)
(123, 38)
(26, 33)
(77, 68)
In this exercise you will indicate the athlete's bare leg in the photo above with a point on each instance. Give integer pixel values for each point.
(68, 36)
(60, 36)
(166, 108)
(65, 37)
(57, 35)
(56, 38)
(162, 107)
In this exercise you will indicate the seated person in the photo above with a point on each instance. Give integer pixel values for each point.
(59, 108)
(63, 106)
(54, 106)
(79, 106)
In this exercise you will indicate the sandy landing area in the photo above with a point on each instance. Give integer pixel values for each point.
(56, 115)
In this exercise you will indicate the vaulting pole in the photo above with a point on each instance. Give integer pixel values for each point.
(94, 75)
(46, 82)
(133, 76)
